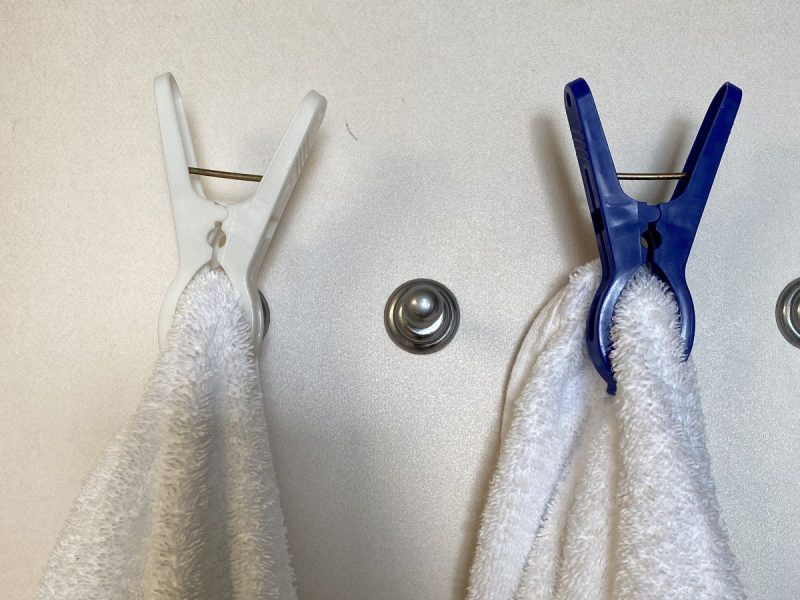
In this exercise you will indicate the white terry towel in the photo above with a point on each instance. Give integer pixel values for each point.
(184, 503)
(601, 497)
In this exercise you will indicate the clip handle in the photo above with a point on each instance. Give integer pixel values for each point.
(251, 224)
(176, 138)
(615, 215)
(680, 217)
(193, 214)
(709, 144)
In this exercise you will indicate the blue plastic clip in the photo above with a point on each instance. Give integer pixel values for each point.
(631, 233)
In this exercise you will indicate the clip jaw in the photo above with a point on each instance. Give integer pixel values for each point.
(235, 237)
(631, 234)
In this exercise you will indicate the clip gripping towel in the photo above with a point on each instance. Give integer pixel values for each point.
(599, 497)
(593, 498)
(184, 503)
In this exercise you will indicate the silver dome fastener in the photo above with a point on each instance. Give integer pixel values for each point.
(421, 316)
(787, 312)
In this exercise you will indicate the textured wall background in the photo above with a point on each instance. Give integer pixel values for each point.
(445, 154)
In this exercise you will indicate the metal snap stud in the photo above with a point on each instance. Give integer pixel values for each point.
(787, 312)
(421, 316)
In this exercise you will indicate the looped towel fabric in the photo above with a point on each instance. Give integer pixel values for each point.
(601, 497)
(184, 503)
(594, 497)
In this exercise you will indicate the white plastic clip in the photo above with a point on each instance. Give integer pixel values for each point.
(233, 237)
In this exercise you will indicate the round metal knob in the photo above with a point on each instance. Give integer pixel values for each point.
(421, 316)
(787, 312)
(421, 307)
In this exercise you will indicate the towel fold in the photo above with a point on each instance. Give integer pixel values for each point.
(601, 497)
(184, 503)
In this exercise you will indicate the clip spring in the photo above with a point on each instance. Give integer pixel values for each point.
(224, 174)
(651, 176)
